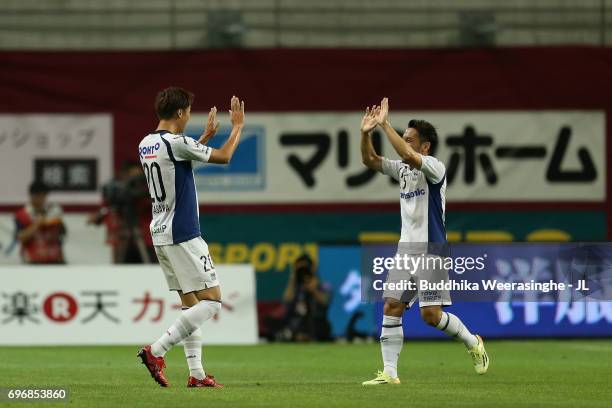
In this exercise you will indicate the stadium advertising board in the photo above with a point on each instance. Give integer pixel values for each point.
(71, 153)
(114, 305)
(541, 316)
(266, 242)
(504, 156)
(270, 247)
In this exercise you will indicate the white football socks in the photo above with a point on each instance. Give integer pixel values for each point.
(454, 327)
(192, 346)
(391, 342)
(189, 321)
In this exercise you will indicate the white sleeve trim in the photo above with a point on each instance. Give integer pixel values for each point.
(186, 148)
(433, 169)
(390, 167)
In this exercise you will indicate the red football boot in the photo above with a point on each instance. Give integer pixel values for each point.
(155, 365)
(208, 381)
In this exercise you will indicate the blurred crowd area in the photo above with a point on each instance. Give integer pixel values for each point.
(194, 24)
(125, 215)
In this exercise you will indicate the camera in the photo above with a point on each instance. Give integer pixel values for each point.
(122, 194)
(303, 273)
(303, 269)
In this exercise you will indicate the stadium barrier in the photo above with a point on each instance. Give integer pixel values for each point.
(340, 268)
(78, 305)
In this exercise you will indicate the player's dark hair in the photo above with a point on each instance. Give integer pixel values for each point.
(427, 132)
(38, 187)
(171, 99)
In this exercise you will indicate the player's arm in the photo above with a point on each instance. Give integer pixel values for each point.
(403, 149)
(225, 153)
(368, 154)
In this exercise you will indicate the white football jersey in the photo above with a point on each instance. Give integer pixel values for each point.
(166, 159)
(422, 199)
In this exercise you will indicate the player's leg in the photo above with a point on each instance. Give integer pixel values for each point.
(190, 320)
(449, 324)
(431, 303)
(201, 295)
(392, 335)
(155, 363)
(192, 345)
(208, 295)
(454, 327)
(183, 328)
(391, 342)
(392, 332)
(197, 277)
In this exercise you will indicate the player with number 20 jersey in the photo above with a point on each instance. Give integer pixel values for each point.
(167, 156)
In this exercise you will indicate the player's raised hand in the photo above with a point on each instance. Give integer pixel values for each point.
(369, 119)
(212, 126)
(383, 113)
(225, 153)
(237, 111)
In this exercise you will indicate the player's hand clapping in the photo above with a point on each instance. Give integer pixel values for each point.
(383, 112)
(212, 126)
(237, 112)
(369, 119)
(224, 154)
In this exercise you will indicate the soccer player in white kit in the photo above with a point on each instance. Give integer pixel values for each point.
(422, 180)
(166, 156)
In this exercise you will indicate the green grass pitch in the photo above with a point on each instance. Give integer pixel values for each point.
(573, 373)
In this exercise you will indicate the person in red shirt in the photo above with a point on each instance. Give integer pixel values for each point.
(40, 229)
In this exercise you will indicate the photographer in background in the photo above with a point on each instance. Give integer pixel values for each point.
(307, 301)
(40, 229)
(127, 214)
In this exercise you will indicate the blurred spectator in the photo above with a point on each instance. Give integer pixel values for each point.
(126, 211)
(40, 229)
(306, 300)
